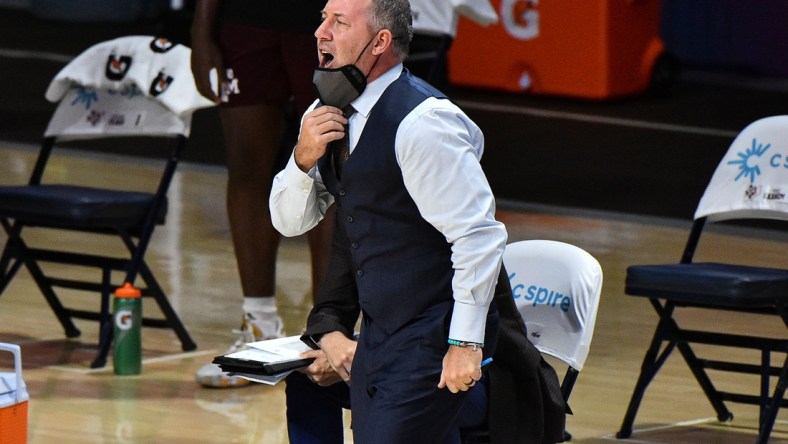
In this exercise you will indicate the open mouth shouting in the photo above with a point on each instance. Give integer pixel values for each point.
(326, 58)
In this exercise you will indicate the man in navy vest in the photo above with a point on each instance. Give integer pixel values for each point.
(418, 216)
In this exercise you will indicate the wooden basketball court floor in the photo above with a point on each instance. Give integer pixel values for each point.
(193, 259)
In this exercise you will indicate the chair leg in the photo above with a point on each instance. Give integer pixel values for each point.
(671, 329)
(770, 415)
(172, 319)
(723, 414)
(9, 262)
(17, 253)
(54, 302)
(105, 344)
(652, 362)
(8, 267)
(105, 321)
(569, 382)
(137, 265)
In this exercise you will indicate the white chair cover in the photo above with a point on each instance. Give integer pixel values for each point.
(556, 288)
(753, 175)
(85, 113)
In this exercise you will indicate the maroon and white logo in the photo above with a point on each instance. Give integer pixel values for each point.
(160, 84)
(94, 117)
(117, 67)
(161, 45)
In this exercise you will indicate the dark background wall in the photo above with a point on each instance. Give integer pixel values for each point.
(742, 36)
(645, 154)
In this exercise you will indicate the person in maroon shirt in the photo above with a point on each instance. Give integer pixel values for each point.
(265, 80)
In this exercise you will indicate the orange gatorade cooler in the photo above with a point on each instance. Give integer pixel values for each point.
(13, 401)
(595, 49)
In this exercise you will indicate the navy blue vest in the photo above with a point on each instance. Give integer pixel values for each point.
(402, 263)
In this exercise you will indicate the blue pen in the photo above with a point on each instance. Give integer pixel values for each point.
(487, 361)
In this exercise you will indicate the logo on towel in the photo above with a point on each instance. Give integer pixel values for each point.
(86, 96)
(161, 45)
(128, 91)
(116, 120)
(94, 117)
(117, 67)
(160, 84)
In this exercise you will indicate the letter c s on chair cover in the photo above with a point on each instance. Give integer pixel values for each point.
(749, 184)
(556, 288)
(139, 87)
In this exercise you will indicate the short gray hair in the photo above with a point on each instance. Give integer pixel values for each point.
(394, 15)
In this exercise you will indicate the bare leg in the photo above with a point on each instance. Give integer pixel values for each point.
(252, 135)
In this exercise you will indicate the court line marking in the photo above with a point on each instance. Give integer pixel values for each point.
(690, 422)
(687, 423)
(589, 118)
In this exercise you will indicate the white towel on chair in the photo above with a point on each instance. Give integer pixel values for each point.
(157, 67)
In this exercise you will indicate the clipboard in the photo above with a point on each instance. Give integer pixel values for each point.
(238, 365)
(271, 357)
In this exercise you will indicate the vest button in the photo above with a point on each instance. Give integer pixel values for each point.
(354, 245)
(342, 192)
(349, 219)
(360, 273)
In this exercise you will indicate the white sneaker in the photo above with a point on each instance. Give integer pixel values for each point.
(253, 328)
(263, 326)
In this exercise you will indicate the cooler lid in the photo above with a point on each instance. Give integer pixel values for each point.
(9, 395)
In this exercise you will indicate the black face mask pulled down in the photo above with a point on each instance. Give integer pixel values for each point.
(340, 86)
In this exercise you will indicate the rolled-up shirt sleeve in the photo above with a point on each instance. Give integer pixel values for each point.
(298, 200)
(439, 148)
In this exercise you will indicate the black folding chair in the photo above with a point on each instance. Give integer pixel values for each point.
(138, 87)
(748, 185)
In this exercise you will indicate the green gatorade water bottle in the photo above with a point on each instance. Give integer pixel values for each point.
(127, 339)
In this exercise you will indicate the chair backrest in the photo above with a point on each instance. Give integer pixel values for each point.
(128, 86)
(751, 181)
(87, 113)
(556, 288)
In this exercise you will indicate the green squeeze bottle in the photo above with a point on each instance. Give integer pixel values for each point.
(127, 342)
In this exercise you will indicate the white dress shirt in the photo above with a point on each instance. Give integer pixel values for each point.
(438, 150)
